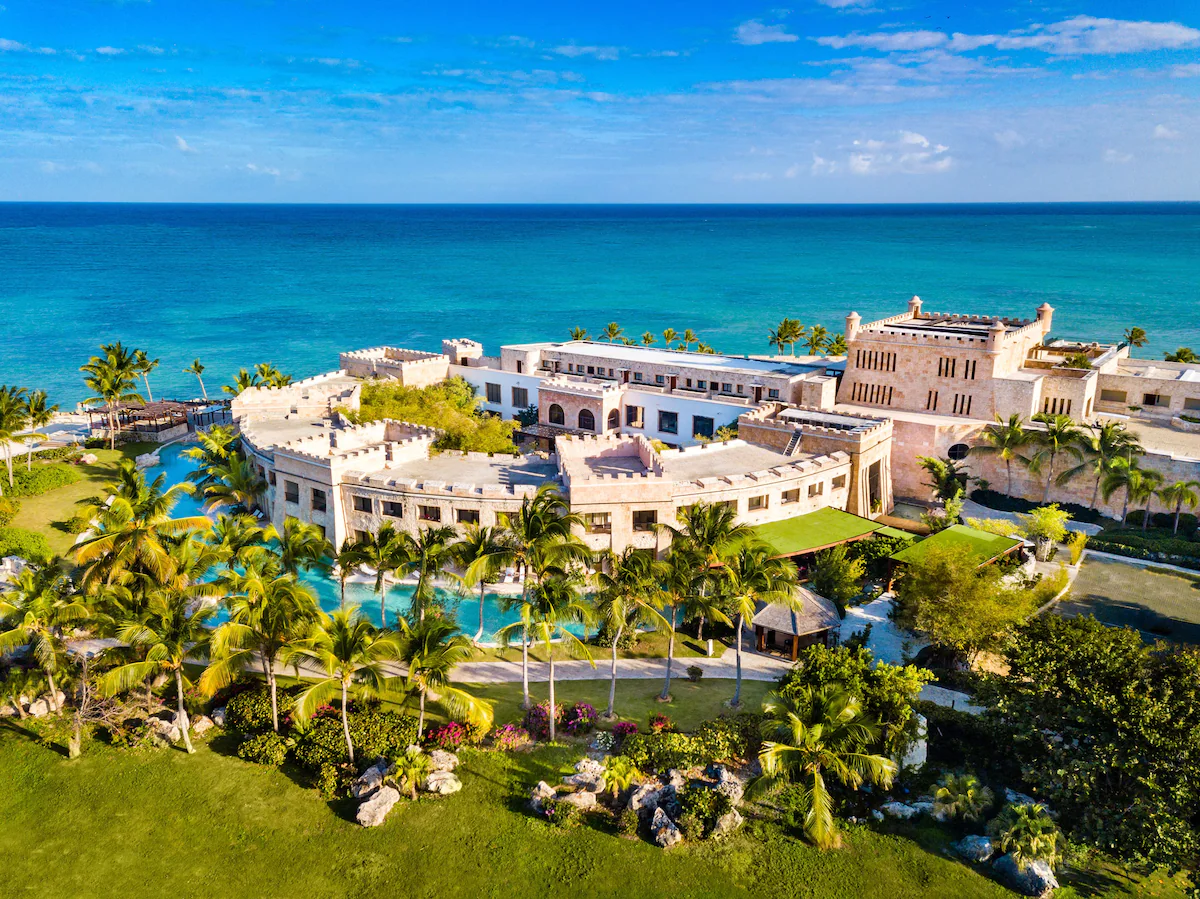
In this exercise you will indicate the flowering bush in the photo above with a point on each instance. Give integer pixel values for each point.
(450, 736)
(604, 741)
(623, 730)
(537, 720)
(580, 718)
(263, 749)
(510, 737)
(561, 813)
(660, 723)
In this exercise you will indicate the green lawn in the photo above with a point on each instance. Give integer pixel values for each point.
(119, 823)
(649, 646)
(46, 514)
(1160, 603)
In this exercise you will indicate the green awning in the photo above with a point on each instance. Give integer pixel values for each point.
(979, 545)
(816, 530)
(888, 531)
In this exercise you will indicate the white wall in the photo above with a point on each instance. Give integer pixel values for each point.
(480, 377)
(653, 402)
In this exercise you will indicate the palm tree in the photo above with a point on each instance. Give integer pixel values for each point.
(962, 796)
(352, 652)
(212, 453)
(1108, 441)
(817, 340)
(689, 337)
(787, 334)
(1183, 354)
(555, 603)
(749, 576)
(172, 631)
(626, 596)
(14, 417)
(814, 732)
(540, 537)
(385, 551)
(431, 648)
(712, 531)
(426, 554)
(349, 557)
(1144, 491)
(411, 770)
(39, 613)
(648, 338)
(1135, 337)
(837, 345)
(1180, 494)
(1060, 437)
(237, 485)
(1029, 833)
(670, 335)
(1005, 439)
(198, 370)
(579, 334)
(479, 552)
(946, 478)
(612, 331)
(1124, 474)
(235, 534)
(243, 380)
(38, 414)
(270, 614)
(112, 379)
(680, 575)
(300, 546)
(143, 365)
(269, 376)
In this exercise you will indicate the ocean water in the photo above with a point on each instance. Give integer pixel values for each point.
(237, 285)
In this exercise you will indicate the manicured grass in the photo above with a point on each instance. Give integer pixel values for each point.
(47, 514)
(119, 823)
(1160, 603)
(649, 646)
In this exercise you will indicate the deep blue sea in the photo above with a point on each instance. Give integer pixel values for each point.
(236, 284)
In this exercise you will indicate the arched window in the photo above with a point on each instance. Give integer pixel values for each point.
(958, 451)
(587, 421)
(614, 419)
(556, 414)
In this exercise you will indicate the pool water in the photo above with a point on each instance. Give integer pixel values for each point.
(463, 604)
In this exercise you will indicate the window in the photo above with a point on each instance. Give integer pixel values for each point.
(687, 382)
(429, 513)
(318, 500)
(556, 415)
(702, 426)
(772, 394)
(570, 366)
(614, 419)
(393, 509)
(741, 388)
(645, 520)
(962, 404)
(597, 522)
(493, 393)
(668, 422)
(756, 503)
(520, 397)
(635, 417)
(816, 489)
(637, 375)
(591, 369)
(467, 516)
(946, 367)
(1156, 399)
(271, 479)
(790, 496)
(1114, 396)
(291, 491)
(702, 385)
(1191, 403)
(931, 399)
(726, 387)
(520, 367)
(958, 451)
(587, 421)
(361, 536)
(659, 379)
(839, 482)
(364, 504)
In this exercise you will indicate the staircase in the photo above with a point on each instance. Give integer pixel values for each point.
(793, 444)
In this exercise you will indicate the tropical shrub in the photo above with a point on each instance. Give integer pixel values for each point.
(622, 731)
(9, 508)
(619, 774)
(510, 737)
(450, 736)
(1028, 833)
(691, 827)
(263, 749)
(41, 479)
(604, 741)
(412, 767)
(26, 544)
(451, 406)
(837, 576)
(730, 738)
(661, 752)
(875, 552)
(962, 796)
(660, 723)
(1046, 523)
(250, 711)
(579, 718)
(328, 780)
(694, 673)
(77, 524)
(705, 804)
(561, 813)
(537, 720)
(375, 733)
(627, 823)
(1076, 543)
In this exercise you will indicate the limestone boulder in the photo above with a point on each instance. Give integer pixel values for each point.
(676, 779)
(726, 824)
(899, 810)
(977, 849)
(443, 760)
(202, 725)
(585, 781)
(164, 729)
(374, 810)
(39, 708)
(666, 833)
(8, 711)
(917, 752)
(443, 783)
(539, 794)
(729, 785)
(583, 800)
(370, 780)
(644, 799)
(1035, 879)
(218, 716)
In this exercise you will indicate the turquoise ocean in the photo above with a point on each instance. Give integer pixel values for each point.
(238, 284)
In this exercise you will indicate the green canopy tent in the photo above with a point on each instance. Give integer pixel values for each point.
(982, 547)
(816, 531)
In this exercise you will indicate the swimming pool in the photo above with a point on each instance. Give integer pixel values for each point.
(464, 605)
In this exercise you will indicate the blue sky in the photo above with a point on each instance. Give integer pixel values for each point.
(824, 101)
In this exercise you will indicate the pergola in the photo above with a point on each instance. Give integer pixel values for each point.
(816, 619)
(156, 417)
(820, 530)
(980, 546)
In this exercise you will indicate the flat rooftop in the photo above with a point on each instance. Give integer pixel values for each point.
(615, 465)
(831, 420)
(957, 327)
(505, 471)
(271, 433)
(1164, 371)
(716, 460)
(657, 356)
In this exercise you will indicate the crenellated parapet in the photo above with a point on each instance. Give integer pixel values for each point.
(412, 368)
(312, 397)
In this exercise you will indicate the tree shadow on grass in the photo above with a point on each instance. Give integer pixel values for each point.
(15, 726)
(1096, 881)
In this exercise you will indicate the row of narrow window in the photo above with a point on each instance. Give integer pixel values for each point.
(1056, 406)
(948, 367)
(962, 404)
(875, 360)
(875, 394)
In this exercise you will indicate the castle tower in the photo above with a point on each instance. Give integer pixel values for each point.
(995, 336)
(1045, 315)
(914, 306)
(853, 323)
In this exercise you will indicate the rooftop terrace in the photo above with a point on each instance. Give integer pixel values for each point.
(658, 356)
(473, 468)
(716, 460)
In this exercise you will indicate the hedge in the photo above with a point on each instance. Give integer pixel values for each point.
(8, 510)
(725, 739)
(23, 543)
(374, 732)
(1149, 553)
(1005, 503)
(41, 479)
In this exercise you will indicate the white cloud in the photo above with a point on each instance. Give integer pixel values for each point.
(182, 145)
(754, 32)
(1009, 139)
(263, 170)
(109, 51)
(822, 166)
(909, 154)
(1162, 132)
(574, 50)
(7, 46)
(848, 5)
(1186, 70)
(752, 176)
(53, 168)
(1117, 157)
(151, 49)
(1081, 35)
